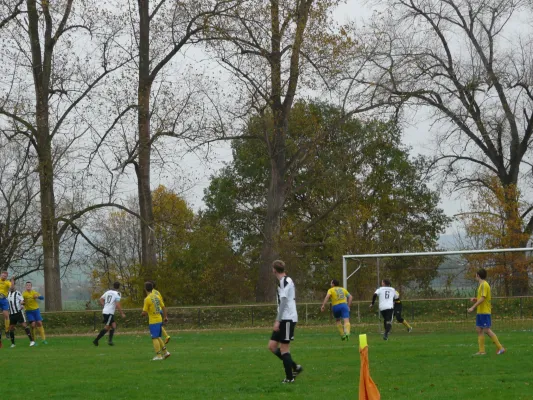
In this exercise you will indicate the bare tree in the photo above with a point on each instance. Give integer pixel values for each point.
(464, 62)
(48, 78)
(9, 9)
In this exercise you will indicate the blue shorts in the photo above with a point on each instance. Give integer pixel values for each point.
(155, 330)
(33, 315)
(483, 321)
(4, 305)
(341, 311)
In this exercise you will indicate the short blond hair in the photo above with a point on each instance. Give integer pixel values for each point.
(279, 266)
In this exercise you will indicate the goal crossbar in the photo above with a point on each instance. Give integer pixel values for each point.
(345, 258)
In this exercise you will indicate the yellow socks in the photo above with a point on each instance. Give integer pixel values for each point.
(347, 328)
(157, 346)
(6, 321)
(406, 324)
(496, 342)
(41, 332)
(481, 342)
(340, 328)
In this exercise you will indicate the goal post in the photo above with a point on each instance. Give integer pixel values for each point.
(379, 257)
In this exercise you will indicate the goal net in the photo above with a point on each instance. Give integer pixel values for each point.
(436, 287)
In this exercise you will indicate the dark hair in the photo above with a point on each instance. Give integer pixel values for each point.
(149, 286)
(386, 282)
(29, 283)
(335, 282)
(482, 273)
(279, 266)
(116, 285)
(153, 284)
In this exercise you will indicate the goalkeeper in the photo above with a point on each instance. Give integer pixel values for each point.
(33, 315)
(398, 312)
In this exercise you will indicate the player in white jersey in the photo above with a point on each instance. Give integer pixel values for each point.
(386, 295)
(286, 320)
(110, 300)
(16, 314)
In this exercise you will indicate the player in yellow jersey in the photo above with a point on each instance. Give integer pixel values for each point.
(33, 314)
(156, 311)
(5, 285)
(163, 330)
(483, 318)
(341, 302)
(398, 312)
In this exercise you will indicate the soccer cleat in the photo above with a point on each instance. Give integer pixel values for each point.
(385, 337)
(167, 339)
(13, 345)
(479, 353)
(343, 337)
(287, 380)
(44, 342)
(157, 358)
(111, 343)
(501, 351)
(32, 343)
(95, 342)
(298, 370)
(409, 329)
(347, 337)
(166, 355)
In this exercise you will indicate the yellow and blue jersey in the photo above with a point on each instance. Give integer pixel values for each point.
(4, 288)
(338, 295)
(484, 291)
(153, 306)
(30, 303)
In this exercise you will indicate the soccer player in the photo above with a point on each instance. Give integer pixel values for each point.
(286, 320)
(33, 314)
(4, 305)
(398, 312)
(157, 313)
(483, 318)
(16, 314)
(386, 295)
(341, 301)
(110, 300)
(163, 330)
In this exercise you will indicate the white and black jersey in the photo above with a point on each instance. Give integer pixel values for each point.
(287, 300)
(386, 296)
(111, 298)
(15, 301)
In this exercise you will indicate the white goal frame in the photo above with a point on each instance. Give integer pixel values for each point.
(345, 258)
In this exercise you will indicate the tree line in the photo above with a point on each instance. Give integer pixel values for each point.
(93, 96)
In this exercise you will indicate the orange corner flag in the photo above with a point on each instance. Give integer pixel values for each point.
(367, 388)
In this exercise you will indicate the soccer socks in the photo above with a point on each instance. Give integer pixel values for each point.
(277, 353)
(6, 322)
(496, 342)
(12, 336)
(41, 331)
(388, 327)
(100, 335)
(28, 333)
(481, 342)
(287, 364)
(157, 346)
(406, 324)
(340, 328)
(111, 333)
(347, 328)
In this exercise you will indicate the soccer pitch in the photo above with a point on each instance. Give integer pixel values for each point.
(237, 365)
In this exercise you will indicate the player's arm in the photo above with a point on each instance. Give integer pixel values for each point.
(325, 302)
(102, 301)
(477, 303)
(120, 309)
(373, 299)
(165, 316)
(145, 308)
(350, 299)
(283, 305)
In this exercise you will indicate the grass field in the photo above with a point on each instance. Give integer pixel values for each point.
(236, 365)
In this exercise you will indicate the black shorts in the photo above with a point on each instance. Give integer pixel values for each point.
(18, 318)
(285, 333)
(108, 319)
(398, 312)
(387, 314)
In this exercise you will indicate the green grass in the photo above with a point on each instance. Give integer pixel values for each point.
(237, 365)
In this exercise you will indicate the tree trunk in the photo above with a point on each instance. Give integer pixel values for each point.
(148, 257)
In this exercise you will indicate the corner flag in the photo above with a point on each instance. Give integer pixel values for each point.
(367, 388)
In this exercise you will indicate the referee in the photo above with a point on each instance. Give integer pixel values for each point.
(16, 315)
